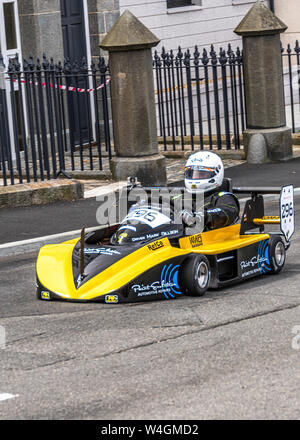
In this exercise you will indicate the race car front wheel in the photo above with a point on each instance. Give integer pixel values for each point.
(195, 275)
(277, 254)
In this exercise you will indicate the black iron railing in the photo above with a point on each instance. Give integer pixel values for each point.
(200, 98)
(291, 70)
(57, 119)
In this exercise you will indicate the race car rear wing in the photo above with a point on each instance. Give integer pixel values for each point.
(254, 211)
(256, 191)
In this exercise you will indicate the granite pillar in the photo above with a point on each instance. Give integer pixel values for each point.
(133, 106)
(41, 30)
(263, 79)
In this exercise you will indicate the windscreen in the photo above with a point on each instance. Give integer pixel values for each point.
(199, 173)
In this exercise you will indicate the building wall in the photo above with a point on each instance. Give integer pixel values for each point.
(102, 16)
(40, 26)
(289, 12)
(213, 23)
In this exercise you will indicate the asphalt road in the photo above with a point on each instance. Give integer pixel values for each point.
(228, 355)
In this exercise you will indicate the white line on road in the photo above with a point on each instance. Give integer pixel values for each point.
(48, 237)
(34, 244)
(104, 190)
(7, 396)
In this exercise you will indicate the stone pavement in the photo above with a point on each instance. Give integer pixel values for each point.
(40, 193)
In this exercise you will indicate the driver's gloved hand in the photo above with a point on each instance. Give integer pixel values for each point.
(188, 218)
(200, 217)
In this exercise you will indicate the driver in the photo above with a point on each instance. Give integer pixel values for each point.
(204, 171)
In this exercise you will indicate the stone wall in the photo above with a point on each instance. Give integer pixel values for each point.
(102, 16)
(40, 26)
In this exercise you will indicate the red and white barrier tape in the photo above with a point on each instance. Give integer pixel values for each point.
(63, 87)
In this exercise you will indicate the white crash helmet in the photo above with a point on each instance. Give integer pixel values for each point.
(204, 171)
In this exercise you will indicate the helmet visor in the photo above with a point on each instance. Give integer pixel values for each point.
(199, 173)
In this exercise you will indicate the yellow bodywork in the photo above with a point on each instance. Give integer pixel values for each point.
(267, 220)
(54, 269)
(55, 273)
(220, 240)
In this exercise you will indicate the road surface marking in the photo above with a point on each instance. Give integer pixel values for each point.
(7, 396)
(104, 190)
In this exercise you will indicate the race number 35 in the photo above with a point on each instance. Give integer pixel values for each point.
(287, 213)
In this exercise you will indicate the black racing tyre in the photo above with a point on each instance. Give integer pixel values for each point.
(277, 254)
(195, 275)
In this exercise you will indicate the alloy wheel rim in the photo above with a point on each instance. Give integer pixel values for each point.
(202, 274)
(279, 254)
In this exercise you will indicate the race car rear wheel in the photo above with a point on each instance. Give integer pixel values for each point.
(195, 275)
(277, 254)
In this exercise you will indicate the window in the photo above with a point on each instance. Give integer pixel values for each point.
(9, 29)
(178, 3)
(242, 2)
(183, 3)
(10, 25)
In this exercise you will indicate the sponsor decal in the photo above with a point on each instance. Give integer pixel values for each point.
(78, 281)
(165, 234)
(45, 295)
(259, 264)
(145, 237)
(138, 238)
(111, 299)
(121, 236)
(151, 236)
(105, 251)
(196, 240)
(214, 210)
(149, 216)
(255, 261)
(167, 286)
(196, 159)
(152, 289)
(156, 245)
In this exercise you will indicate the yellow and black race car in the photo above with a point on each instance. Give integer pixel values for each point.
(148, 257)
